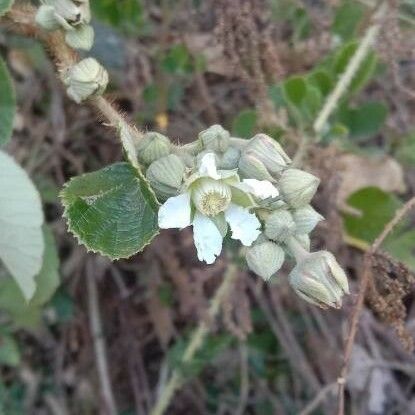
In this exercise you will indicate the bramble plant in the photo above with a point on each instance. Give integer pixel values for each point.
(223, 185)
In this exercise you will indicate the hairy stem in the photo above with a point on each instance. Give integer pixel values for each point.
(353, 66)
(176, 380)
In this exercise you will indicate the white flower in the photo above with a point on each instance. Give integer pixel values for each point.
(212, 198)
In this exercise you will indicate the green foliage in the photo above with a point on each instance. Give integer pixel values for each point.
(303, 99)
(243, 125)
(21, 219)
(347, 19)
(7, 103)
(211, 348)
(377, 209)
(123, 14)
(112, 211)
(365, 71)
(5, 6)
(364, 121)
(9, 350)
(47, 280)
(406, 149)
(177, 61)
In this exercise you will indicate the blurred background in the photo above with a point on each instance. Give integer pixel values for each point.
(253, 66)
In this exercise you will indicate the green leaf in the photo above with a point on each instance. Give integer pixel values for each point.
(177, 60)
(5, 6)
(347, 19)
(295, 90)
(7, 103)
(21, 219)
(377, 209)
(364, 73)
(9, 351)
(322, 80)
(11, 298)
(244, 124)
(402, 247)
(125, 14)
(364, 121)
(405, 152)
(112, 211)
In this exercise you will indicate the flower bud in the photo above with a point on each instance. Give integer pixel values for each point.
(252, 168)
(86, 79)
(304, 240)
(230, 159)
(279, 225)
(152, 147)
(70, 14)
(298, 187)
(306, 219)
(165, 175)
(45, 18)
(215, 138)
(80, 38)
(269, 152)
(211, 197)
(265, 259)
(320, 280)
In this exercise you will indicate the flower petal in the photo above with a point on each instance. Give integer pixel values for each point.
(208, 240)
(207, 166)
(244, 225)
(175, 212)
(262, 189)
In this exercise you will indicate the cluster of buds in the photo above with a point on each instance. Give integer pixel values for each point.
(220, 183)
(71, 16)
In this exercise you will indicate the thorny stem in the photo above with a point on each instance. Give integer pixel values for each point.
(176, 380)
(357, 310)
(353, 66)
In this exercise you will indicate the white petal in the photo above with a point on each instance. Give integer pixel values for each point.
(263, 189)
(208, 240)
(244, 225)
(175, 212)
(208, 167)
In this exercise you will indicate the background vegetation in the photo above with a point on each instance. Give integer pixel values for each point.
(178, 67)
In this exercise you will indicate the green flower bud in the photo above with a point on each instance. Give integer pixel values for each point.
(80, 38)
(215, 138)
(265, 259)
(166, 176)
(45, 18)
(152, 147)
(306, 219)
(252, 168)
(298, 187)
(269, 152)
(230, 159)
(211, 197)
(304, 240)
(320, 280)
(279, 225)
(86, 79)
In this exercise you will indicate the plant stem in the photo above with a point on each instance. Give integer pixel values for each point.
(196, 341)
(98, 341)
(350, 71)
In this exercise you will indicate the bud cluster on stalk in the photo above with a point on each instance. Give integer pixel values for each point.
(73, 17)
(267, 186)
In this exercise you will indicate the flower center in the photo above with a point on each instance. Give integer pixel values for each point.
(211, 196)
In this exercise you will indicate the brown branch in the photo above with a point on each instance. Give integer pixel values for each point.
(358, 307)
